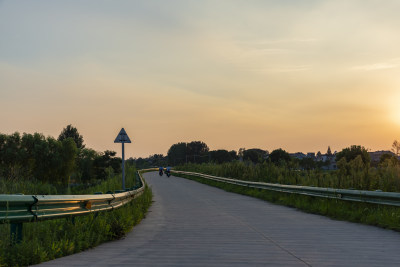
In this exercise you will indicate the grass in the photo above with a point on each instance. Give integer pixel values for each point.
(371, 214)
(47, 240)
(356, 175)
(26, 187)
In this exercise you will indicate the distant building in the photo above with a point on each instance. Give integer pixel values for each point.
(298, 155)
(311, 155)
(376, 156)
(329, 160)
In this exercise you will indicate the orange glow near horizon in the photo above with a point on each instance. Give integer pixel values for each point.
(233, 75)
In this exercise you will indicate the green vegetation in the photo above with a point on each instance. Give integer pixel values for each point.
(351, 174)
(34, 164)
(112, 184)
(195, 151)
(72, 132)
(377, 215)
(48, 240)
(49, 166)
(36, 157)
(27, 187)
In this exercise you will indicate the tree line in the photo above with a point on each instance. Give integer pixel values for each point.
(198, 152)
(355, 170)
(57, 161)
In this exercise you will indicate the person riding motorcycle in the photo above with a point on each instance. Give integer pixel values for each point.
(161, 171)
(168, 171)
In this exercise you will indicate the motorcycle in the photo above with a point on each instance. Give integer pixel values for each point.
(168, 173)
(161, 172)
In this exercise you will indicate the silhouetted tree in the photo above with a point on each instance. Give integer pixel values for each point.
(388, 157)
(352, 152)
(72, 132)
(177, 154)
(197, 151)
(157, 160)
(255, 155)
(396, 147)
(222, 155)
(329, 152)
(34, 156)
(104, 161)
(86, 160)
(279, 156)
(308, 163)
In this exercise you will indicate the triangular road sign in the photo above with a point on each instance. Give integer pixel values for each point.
(122, 137)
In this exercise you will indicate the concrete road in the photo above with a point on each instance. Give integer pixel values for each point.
(191, 224)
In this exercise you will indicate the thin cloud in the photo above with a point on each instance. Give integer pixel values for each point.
(283, 69)
(272, 47)
(390, 64)
(279, 41)
(265, 51)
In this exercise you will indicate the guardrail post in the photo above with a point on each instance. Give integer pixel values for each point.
(137, 181)
(15, 232)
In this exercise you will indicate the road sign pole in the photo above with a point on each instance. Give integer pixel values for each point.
(123, 166)
(123, 138)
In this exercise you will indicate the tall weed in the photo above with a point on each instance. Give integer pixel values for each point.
(43, 241)
(354, 174)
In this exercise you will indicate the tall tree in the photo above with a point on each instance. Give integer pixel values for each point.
(279, 156)
(396, 147)
(254, 154)
(73, 133)
(329, 152)
(197, 151)
(388, 157)
(222, 155)
(308, 163)
(350, 153)
(104, 161)
(177, 154)
(85, 162)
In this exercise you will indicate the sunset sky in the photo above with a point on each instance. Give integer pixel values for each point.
(297, 75)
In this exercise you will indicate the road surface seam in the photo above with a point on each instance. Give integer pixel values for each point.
(262, 234)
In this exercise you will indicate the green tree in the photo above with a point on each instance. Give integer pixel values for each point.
(308, 163)
(279, 156)
(11, 155)
(28, 145)
(177, 154)
(73, 133)
(388, 157)
(222, 155)
(85, 161)
(352, 152)
(68, 151)
(255, 155)
(157, 160)
(197, 152)
(105, 160)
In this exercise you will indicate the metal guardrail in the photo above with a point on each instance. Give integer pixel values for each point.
(17, 209)
(375, 197)
(28, 208)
